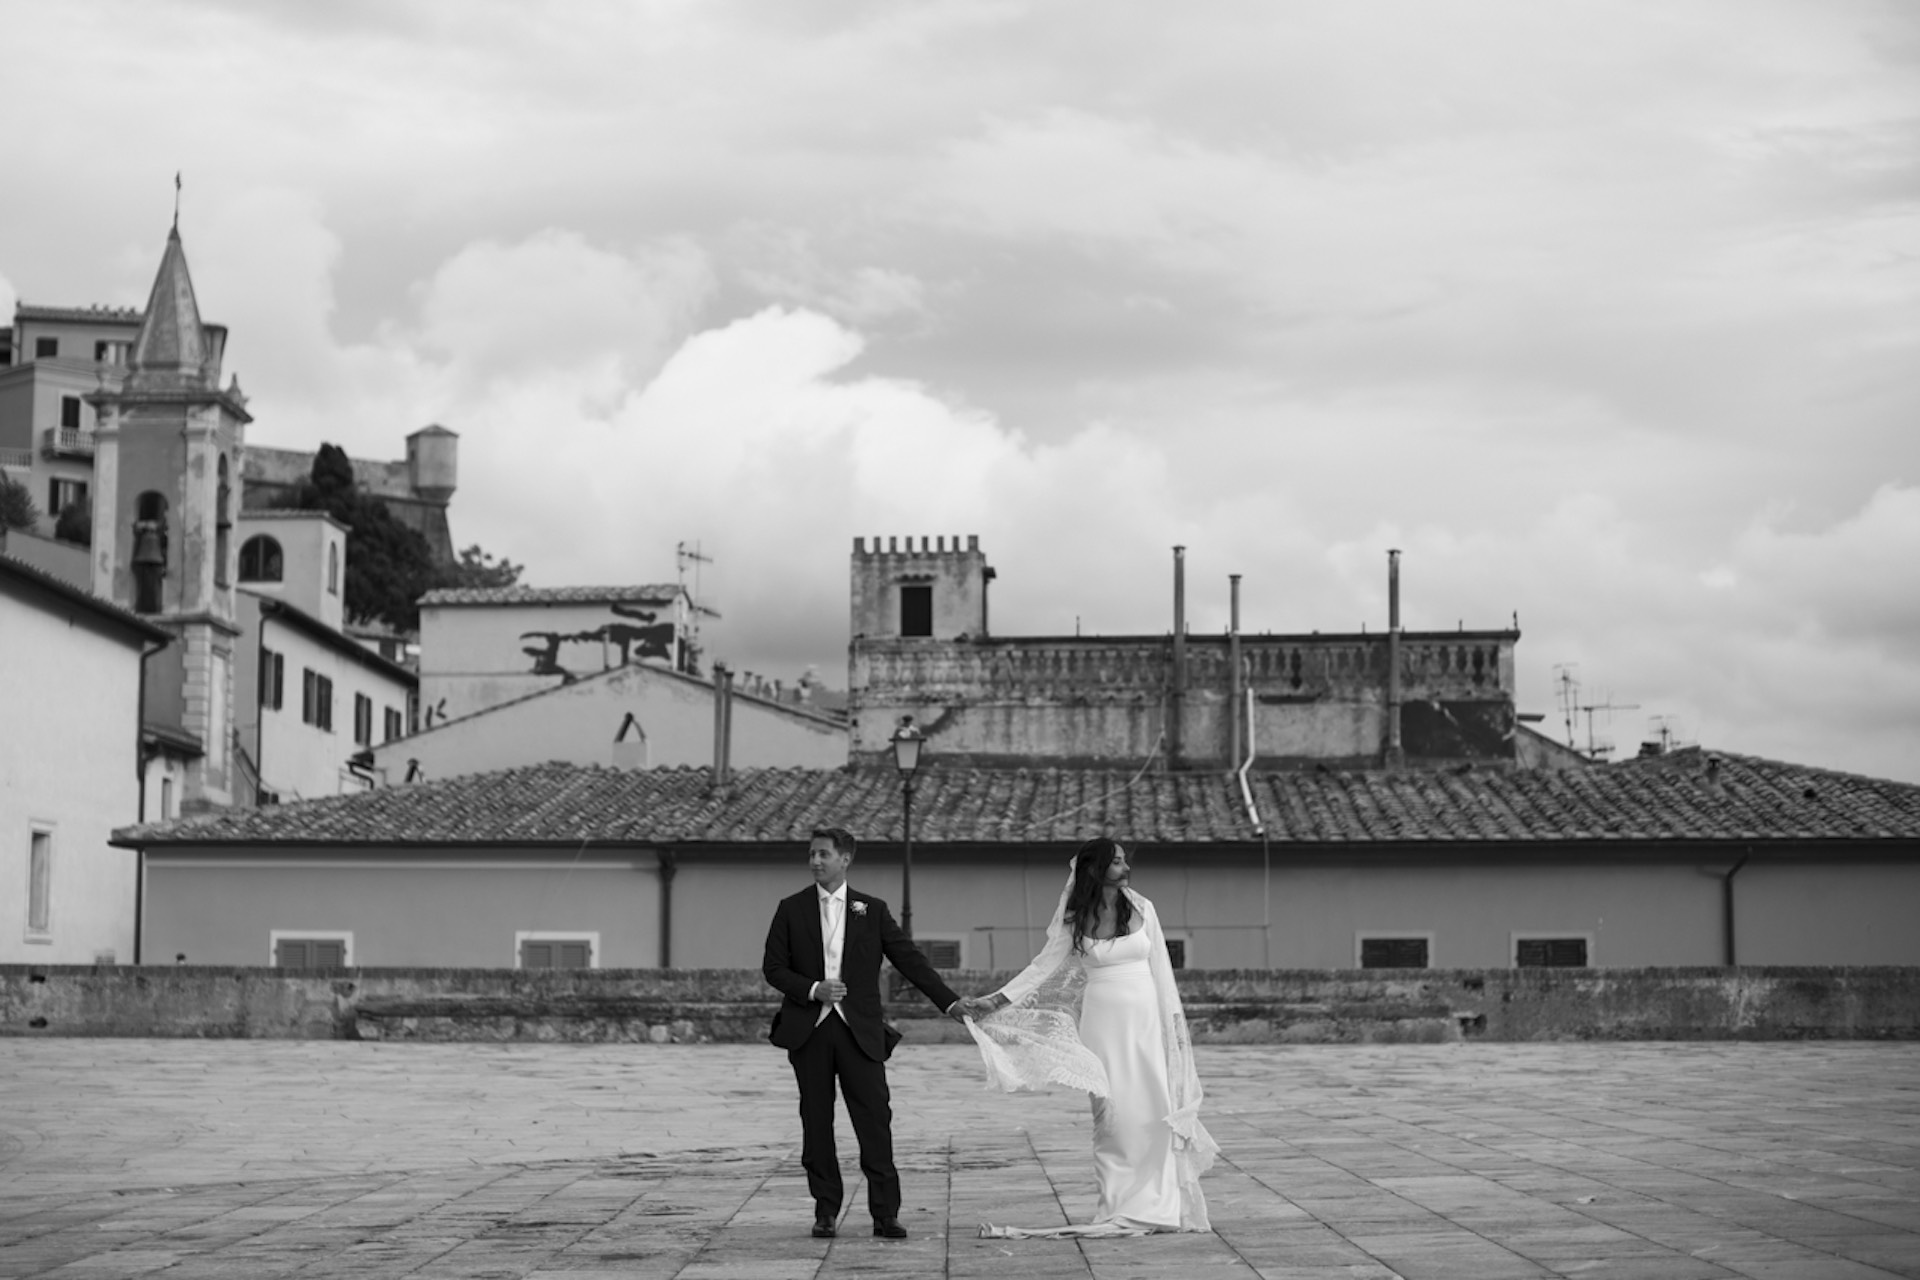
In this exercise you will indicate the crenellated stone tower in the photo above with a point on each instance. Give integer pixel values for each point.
(167, 481)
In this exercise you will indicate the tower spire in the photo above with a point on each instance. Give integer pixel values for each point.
(176, 202)
(171, 349)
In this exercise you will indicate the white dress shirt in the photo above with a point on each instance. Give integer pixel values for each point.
(833, 934)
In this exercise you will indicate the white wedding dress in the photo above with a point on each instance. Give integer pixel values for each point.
(1108, 1021)
(1132, 1144)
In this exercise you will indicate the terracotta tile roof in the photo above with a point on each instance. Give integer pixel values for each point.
(52, 584)
(112, 315)
(651, 593)
(1680, 798)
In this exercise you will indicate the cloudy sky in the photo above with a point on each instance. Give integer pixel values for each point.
(1607, 315)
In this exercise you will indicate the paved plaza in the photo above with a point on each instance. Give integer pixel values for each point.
(254, 1159)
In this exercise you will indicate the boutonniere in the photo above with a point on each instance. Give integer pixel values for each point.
(859, 907)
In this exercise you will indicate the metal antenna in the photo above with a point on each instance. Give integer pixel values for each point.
(1569, 692)
(683, 555)
(1603, 748)
(176, 199)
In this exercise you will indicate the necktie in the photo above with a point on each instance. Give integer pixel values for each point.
(830, 936)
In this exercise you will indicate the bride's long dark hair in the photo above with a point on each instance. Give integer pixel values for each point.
(1083, 900)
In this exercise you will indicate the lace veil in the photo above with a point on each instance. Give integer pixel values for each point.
(1035, 1042)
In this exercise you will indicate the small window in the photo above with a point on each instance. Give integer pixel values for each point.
(273, 674)
(941, 953)
(45, 348)
(1395, 951)
(40, 882)
(916, 610)
(363, 719)
(333, 568)
(70, 413)
(1177, 952)
(166, 799)
(395, 725)
(557, 951)
(261, 560)
(101, 350)
(310, 952)
(1550, 953)
(316, 699)
(63, 493)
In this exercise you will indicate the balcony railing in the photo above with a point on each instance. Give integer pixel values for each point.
(20, 459)
(68, 442)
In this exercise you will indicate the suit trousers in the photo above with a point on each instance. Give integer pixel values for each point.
(830, 1054)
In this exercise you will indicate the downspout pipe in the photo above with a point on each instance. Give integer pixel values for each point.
(1726, 907)
(260, 678)
(140, 779)
(1175, 738)
(1237, 676)
(1396, 755)
(1259, 829)
(669, 865)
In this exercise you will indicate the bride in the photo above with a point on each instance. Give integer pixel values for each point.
(1097, 1010)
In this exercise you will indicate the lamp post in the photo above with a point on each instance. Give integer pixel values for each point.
(907, 742)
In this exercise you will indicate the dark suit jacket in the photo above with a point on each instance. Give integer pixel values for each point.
(797, 958)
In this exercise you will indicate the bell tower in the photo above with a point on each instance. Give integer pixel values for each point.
(166, 492)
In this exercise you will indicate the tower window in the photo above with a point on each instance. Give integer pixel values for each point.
(333, 568)
(916, 610)
(222, 526)
(70, 413)
(261, 560)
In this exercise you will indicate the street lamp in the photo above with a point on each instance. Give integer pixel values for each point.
(907, 742)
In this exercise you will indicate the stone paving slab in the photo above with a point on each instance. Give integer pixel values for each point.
(266, 1159)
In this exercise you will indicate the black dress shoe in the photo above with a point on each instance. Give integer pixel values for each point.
(890, 1228)
(823, 1228)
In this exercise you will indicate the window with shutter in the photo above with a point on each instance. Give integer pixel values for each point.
(941, 953)
(550, 951)
(1393, 953)
(1550, 953)
(310, 952)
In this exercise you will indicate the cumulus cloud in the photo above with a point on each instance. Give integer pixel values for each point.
(1607, 319)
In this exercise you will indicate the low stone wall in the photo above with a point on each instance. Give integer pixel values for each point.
(735, 1005)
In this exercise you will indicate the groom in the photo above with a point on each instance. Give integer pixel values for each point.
(823, 953)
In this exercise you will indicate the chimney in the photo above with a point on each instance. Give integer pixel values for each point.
(1395, 755)
(722, 722)
(1178, 701)
(1237, 676)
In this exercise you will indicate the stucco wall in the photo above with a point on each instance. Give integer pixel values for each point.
(295, 759)
(402, 910)
(696, 1006)
(1074, 701)
(1231, 914)
(579, 722)
(70, 693)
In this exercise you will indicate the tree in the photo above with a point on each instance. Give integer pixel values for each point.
(75, 523)
(389, 565)
(17, 510)
(476, 568)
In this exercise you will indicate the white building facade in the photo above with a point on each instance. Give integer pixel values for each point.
(70, 770)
